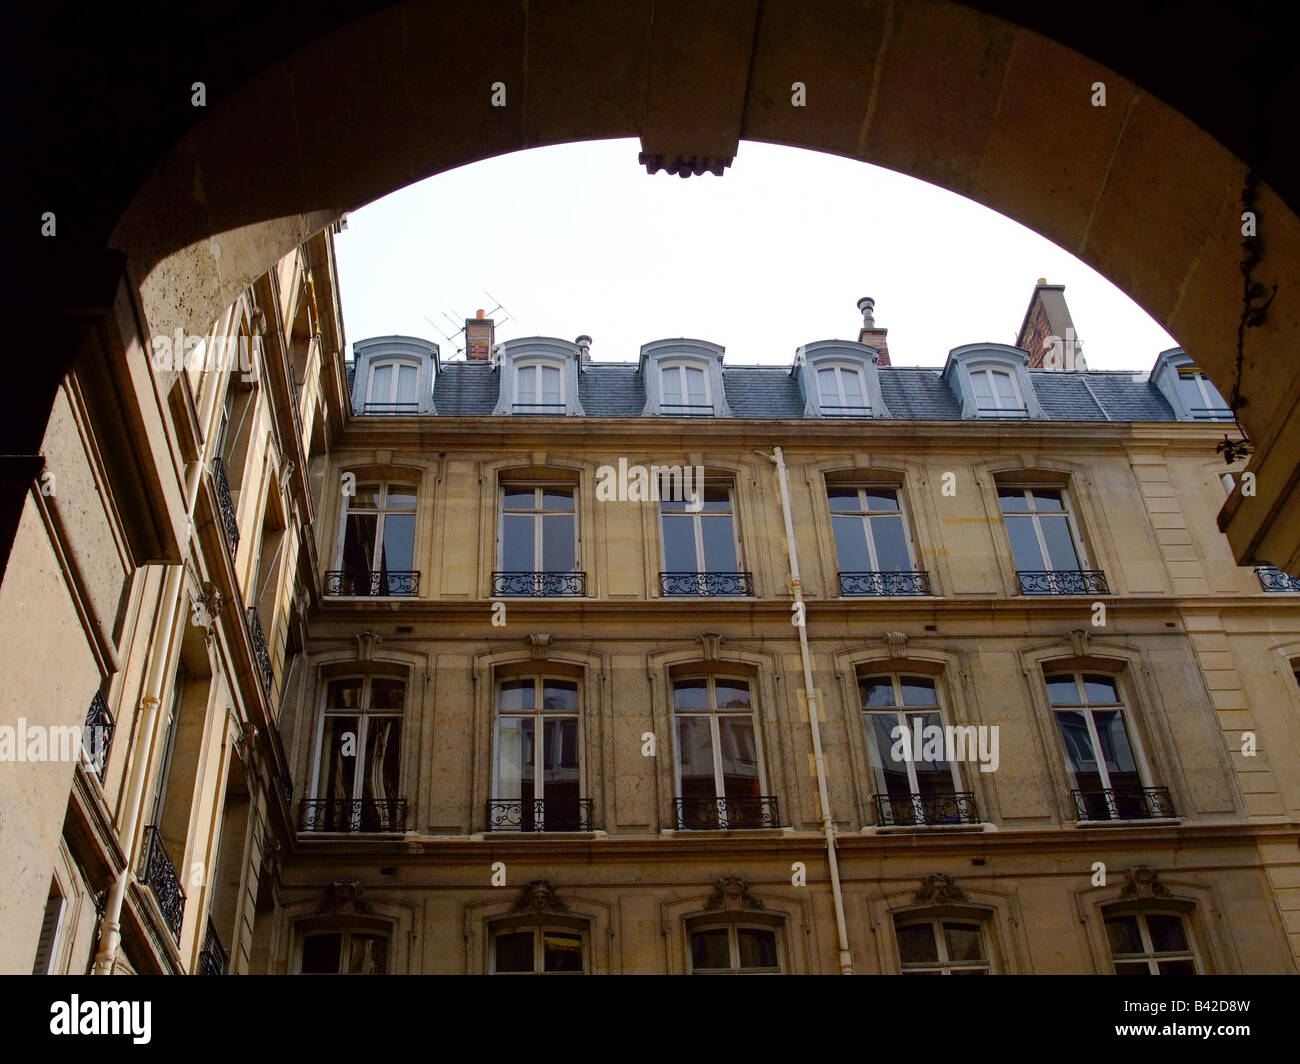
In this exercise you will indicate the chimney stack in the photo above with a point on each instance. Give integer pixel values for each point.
(480, 336)
(871, 334)
(584, 348)
(1047, 332)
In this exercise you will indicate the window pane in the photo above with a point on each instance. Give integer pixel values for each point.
(560, 694)
(400, 497)
(344, 694)
(1123, 936)
(517, 547)
(527, 384)
(383, 763)
(934, 774)
(879, 499)
(1006, 389)
(365, 497)
(369, 955)
(358, 544)
(515, 952)
(916, 944)
(1078, 748)
(963, 941)
(1177, 967)
(883, 737)
(690, 694)
(1062, 690)
(1060, 543)
(983, 390)
(717, 499)
(406, 384)
(1013, 500)
(561, 952)
(892, 553)
(399, 542)
(1024, 544)
(844, 500)
(386, 694)
(1101, 689)
(560, 766)
(757, 948)
(338, 756)
(1166, 933)
(826, 386)
(739, 757)
(558, 549)
(550, 384)
(381, 389)
(851, 544)
(852, 385)
(695, 757)
(557, 499)
(515, 759)
(516, 694)
(710, 949)
(695, 386)
(1046, 499)
(1113, 736)
(679, 544)
(719, 544)
(519, 499)
(1133, 968)
(672, 382)
(732, 694)
(321, 954)
(918, 691)
(876, 691)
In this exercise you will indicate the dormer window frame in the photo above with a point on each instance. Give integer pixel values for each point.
(540, 352)
(376, 352)
(964, 363)
(390, 404)
(661, 356)
(1176, 365)
(848, 355)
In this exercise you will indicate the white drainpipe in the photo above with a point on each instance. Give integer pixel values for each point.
(841, 929)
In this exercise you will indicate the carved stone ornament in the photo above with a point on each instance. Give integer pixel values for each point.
(366, 643)
(247, 741)
(897, 643)
(539, 646)
(938, 889)
(539, 897)
(1143, 882)
(711, 642)
(1079, 642)
(731, 894)
(344, 896)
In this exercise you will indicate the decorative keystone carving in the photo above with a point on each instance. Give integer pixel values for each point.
(897, 643)
(1143, 882)
(938, 889)
(344, 896)
(539, 646)
(539, 897)
(731, 894)
(366, 643)
(711, 643)
(1079, 642)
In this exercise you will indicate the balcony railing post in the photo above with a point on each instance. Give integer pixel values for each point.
(97, 734)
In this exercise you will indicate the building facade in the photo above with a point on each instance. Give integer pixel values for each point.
(529, 662)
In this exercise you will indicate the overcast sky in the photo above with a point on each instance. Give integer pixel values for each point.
(580, 239)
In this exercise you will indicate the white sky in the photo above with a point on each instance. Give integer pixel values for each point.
(580, 239)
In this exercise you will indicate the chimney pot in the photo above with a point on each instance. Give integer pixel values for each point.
(867, 305)
(480, 314)
(584, 347)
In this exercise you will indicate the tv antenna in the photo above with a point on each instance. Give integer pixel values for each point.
(457, 322)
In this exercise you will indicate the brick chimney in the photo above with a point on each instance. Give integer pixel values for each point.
(1047, 332)
(480, 335)
(870, 334)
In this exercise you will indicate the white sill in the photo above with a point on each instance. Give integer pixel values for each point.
(1151, 821)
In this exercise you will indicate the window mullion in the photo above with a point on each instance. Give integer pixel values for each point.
(1097, 754)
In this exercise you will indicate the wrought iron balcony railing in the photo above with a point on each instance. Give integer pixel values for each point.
(926, 809)
(1125, 803)
(379, 583)
(995, 412)
(225, 504)
(1062, 582)
(1271, 579)
(727, 814)
(97, 734)
(1212, 413)
(372, 815)
(705, 585)
(539, 584)
(901, 582)
(687, 409)
(212, 961)
(286, 785)
(845, 411)
(538, 408)
(539, 814)
(159, 875)
(391, 408)
(259, 647)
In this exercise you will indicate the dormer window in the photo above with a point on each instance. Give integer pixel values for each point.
(1200, 396)
(842, 392)
(539, 389)
(996, 393)
(992, 381)
(685, 391)
(392, 388)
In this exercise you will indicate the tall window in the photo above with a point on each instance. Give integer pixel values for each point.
(392, 388)
(685, 390)
(944, 946)
(842, 393)
(1150, 943)
(701, 546)
(538, 543)
(539, 387)
(1200, 396)
(345, 953)
(996, 393)
(538, 951)
(378, 543)
(537, 780)
(734, 949)
(360, 761)
(1104, 763)
(720, 780)
(872, 543)
(899, 713)
(1045, 543)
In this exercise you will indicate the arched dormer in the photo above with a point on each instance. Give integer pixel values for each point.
(539, 376)
(394, 375)
(683, 378)
(838, 378)
(1189, 391)
(992, 381)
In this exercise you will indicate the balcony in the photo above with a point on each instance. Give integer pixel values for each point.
(539, 584)
(226, 504)
(925, 810)
(97, 734)
(726, 814)
(1062, 582)
(159, 875)
(259, 647)
(1271, 579)
(539, 814)
(360, 815)
(887, 584)
(378, 584)
(212, 961)
(1131, 803)
(705, 585)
